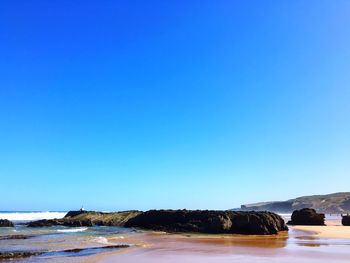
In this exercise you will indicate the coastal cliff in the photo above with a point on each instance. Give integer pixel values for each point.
(336, 203)
(201, 221)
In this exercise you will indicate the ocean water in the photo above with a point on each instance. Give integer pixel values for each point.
(54, 241)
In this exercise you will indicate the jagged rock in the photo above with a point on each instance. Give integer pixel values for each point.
(60, 222)
(9, 255)
(87, 219)
(307, 216)
(7, 237)
(6, 223)
(204, 221)
(78, 250)
(104, 219)
(17, 255)
(75, 213)
(78, 223)
(45, 223)
(345, 220)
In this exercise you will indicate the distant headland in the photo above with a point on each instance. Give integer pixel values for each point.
(336, 203)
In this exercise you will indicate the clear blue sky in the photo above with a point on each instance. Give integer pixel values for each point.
(172, 104)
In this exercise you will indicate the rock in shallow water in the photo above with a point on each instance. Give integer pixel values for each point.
(307, 216)
(345, 220)
(75, 213)
(60, 222)
(12, 237)
(87, 219)
(16, 255)
(6, 223)
(204, 221)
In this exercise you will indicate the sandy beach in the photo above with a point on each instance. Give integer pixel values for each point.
(332, 229)
(300, 244)
(342, 232)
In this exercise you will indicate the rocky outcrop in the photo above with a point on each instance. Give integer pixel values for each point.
(345, 220)
(87, 219)
(76, 213)
(204, 221)
(44, 223)
(16, 255)
(11, 237)
(21, 255)
(91, 249)
(307, 216)
(6, 223)
(102, 219)
(60, 222)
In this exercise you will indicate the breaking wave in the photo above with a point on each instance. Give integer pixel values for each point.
(72, 230)
(31, 216)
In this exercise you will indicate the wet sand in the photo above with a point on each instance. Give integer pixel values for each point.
(295, 246)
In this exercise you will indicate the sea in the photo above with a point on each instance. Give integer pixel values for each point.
(59, 244)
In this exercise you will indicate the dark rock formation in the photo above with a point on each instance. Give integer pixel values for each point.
(60, 222)
(44, 223)
(17, 255)
(97, 249)
(6, 223)
(177, 221)
(78, 223)
(76, 213)
(13, 255)
(307, 216)
(204, 221)
(345, 220)
(87, 219)
(7, 237)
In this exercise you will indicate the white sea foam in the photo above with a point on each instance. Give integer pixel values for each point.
(72, 230)
(30, 216)
(102, 240)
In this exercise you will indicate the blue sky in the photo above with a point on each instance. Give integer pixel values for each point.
(172, 104)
